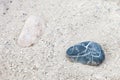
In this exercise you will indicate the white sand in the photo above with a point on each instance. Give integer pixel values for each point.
(68, 22)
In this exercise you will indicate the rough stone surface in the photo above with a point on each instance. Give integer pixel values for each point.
(31, 31)
(87, 52)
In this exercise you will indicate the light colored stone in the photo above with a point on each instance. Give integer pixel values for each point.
(31, 31)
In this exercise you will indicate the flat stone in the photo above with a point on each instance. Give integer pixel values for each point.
(88, 52)
(31, 31)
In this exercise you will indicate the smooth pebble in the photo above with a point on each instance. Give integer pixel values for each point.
(31, 31)
(87, 52)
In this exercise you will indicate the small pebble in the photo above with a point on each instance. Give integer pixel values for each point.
(31, 31)
(4, 13)
(7, 8)
(10, 1)
(87, 52)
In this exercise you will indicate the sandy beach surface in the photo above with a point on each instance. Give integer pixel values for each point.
(68, 22)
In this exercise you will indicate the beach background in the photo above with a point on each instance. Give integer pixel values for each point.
(68, 22)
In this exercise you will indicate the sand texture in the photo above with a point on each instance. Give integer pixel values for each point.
(68, 22)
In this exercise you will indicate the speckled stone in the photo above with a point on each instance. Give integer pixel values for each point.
(87, 52)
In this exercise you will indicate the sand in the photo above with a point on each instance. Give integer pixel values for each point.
(68, 22)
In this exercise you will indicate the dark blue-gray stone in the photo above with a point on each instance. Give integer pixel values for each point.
(87, 52)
